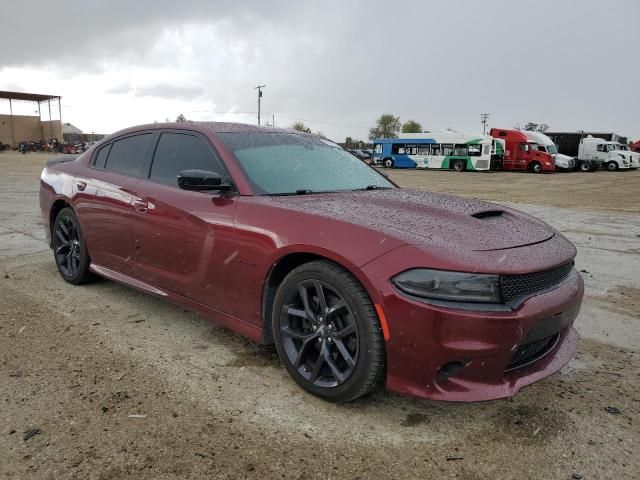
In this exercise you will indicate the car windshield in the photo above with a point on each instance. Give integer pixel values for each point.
(292, 163)
(552, 149)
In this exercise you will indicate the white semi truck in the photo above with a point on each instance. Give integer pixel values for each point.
(611, 155)
(545, 144)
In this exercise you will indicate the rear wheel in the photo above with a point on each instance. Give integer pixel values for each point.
(458, 165)
(585, 167)
(69, 249)
(388, 162)
(327, 332)
(612, 166)
(536, 167)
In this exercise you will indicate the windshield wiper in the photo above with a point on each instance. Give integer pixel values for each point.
(371, 187)
(300, 191)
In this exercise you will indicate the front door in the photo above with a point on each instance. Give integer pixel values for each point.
(183, 240)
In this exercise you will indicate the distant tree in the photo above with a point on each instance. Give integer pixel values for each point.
(301, 127)
(534, 127)
(348, 142)
(411, 126)
(181, 118)
(387, 126)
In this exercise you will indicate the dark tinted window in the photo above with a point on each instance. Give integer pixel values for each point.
(101, 157)
(447, 149)
(398, 149)
(128, 156)
(178, 151)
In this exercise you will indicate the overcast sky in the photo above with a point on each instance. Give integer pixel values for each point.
(336, 65)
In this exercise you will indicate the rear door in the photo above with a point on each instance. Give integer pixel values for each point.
(183, 240)
(104, 199)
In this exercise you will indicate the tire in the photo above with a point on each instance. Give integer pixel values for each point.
(585, 167)
(458, 165)
(69, 249)
(536, 167)
(612, 166)
(333, 348)
(388, 163)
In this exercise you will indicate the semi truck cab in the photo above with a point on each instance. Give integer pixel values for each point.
(522, 154)
(545, 144)
(606, 153)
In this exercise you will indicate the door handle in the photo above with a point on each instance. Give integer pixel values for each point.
(140, 206)
(81, 185)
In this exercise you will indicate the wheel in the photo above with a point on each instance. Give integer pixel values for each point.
(536, 167)
(458, 165)
(612, 166)
(585, 167)
(327, 332)
(69, 249)
(387, 162)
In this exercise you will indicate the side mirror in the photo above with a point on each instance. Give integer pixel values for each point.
(201, 180)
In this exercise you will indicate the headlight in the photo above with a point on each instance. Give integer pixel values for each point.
(452, 286)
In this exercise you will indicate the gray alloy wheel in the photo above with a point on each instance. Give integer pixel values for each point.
(388, 162)
(612, 166)
(536, 167)
(69, 249)
(327, 332)
(585, 167)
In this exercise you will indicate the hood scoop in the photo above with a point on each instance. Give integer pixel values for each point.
(488, 214)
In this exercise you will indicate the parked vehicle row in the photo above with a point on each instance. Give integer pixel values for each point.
(502, 149)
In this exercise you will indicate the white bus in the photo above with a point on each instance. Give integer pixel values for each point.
(438, 150)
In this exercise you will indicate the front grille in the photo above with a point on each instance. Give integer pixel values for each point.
(519, 286)
(530, 352)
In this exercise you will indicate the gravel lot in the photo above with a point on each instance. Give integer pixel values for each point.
(77, 362)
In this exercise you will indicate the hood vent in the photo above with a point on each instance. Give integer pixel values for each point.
(487, 214)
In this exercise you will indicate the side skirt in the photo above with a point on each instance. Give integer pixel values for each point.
(233, 323)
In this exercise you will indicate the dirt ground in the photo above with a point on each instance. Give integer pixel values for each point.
(104, 382)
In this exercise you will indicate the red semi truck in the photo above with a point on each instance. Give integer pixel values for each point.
(521, 153)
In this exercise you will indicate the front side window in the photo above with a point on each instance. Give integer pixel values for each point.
(377, 148)
(292, 163)
(178, 151)
(397, 149)
(447, 149)
(460, 150)
(475, 150)
(128, 156)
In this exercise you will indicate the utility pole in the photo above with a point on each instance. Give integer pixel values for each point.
(484, 119)
(259, 88)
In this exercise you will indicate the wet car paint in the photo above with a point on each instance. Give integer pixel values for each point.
(213, 253)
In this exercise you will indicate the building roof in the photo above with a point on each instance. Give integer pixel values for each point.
(29, 97)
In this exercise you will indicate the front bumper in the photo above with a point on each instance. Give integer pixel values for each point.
(424, 338)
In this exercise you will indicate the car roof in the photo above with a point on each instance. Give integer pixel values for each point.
(206, 127)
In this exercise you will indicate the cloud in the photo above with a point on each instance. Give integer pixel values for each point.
(335, 65)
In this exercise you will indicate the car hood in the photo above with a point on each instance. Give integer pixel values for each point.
(420, 218)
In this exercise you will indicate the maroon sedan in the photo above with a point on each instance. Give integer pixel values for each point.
(286, 238)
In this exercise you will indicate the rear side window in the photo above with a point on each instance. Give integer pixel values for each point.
(129, 155)
(447, 149)
(179, 151)
(435, 149)
(424, 149)
(101, 157)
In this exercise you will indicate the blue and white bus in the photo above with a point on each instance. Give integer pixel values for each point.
(446, 150)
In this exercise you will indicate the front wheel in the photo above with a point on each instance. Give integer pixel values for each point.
(69, 249)
(388, 163)
(612, 166)
(458, 165)
(585, 167)
(327, 332)
(536, 167)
